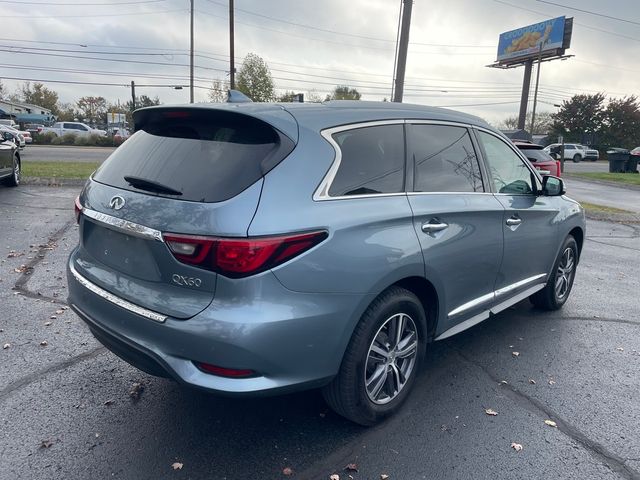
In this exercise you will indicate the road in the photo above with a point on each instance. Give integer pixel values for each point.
(66, 412)
(604, 194)
(45, 153)
(584, 167)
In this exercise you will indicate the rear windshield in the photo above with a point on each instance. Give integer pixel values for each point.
(206, 156)
(536, 155)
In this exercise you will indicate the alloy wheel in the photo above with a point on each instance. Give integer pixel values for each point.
(564, 275)
(391, 358)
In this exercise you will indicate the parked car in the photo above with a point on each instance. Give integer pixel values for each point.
(591, 154)
(541, 160)
(635, 151)
(264, 248)
(34, 128)
(572, 151)
(76, 128)
(16, 135)
(9, 159)
(8, 122)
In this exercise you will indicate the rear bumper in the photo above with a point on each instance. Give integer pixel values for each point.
(293, 341)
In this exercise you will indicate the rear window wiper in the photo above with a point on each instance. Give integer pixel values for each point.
(150, 185)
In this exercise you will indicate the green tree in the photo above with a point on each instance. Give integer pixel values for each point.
(66, 112)
(343, 92)
(254, 79)
(218, 92)
(581, 117)
(622, 123)
(92, 109)
(38, 94)
(2, 90)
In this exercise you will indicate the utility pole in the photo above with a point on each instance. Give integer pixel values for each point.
(133, 95)
(232, 64)
(191, 57)
(402, 51)
(535, 94)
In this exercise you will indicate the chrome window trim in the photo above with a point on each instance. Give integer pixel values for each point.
(122, 225)
(131, 307)
(493, 295)
(449, 193)
(322, 192)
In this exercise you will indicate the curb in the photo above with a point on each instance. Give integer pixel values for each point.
(53, 182)
(93, 147)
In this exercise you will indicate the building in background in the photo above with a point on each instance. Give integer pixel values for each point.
(25, 113)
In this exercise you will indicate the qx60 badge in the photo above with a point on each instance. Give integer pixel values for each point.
(116, 202)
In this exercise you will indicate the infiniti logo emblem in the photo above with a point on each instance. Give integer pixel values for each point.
(116, 202)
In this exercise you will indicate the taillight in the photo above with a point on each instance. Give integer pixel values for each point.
(77, 207)
(240, 257)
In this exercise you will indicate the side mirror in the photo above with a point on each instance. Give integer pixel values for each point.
(552, 186)
(6, 136)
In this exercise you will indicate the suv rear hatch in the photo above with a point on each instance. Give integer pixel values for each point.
(187, 171)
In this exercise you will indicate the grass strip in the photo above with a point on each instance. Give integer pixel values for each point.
(70, 170)
(592, 207)
(627, 178)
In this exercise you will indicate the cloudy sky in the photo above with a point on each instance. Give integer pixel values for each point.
(314, 45)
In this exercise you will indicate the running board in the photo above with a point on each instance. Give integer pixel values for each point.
(476, 319)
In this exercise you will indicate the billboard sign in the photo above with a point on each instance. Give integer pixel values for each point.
(525, 42)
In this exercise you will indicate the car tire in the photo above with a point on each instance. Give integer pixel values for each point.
(556, 292)
(374, 353)
(14, 179)
(576, 158)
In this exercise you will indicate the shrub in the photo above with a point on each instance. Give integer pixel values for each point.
(67, 139)
(56, 140)
(105, 141)
(44, 138)
(81, 140)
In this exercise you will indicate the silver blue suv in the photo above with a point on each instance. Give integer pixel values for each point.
(263, 248)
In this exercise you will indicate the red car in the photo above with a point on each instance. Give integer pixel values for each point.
(540, 159)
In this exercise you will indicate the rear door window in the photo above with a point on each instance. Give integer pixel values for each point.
(444, 159)
(205, 156)
(372, 161)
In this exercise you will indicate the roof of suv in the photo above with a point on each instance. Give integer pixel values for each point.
(341, 112)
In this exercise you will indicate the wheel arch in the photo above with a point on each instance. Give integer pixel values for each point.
(578, 234)
(428, 296)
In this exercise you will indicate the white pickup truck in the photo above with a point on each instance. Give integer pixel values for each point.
(76, 128)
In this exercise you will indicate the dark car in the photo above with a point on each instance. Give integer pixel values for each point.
(9, 160)
(541, 160)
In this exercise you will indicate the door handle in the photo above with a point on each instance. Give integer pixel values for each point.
(434, 225)
(514, 221)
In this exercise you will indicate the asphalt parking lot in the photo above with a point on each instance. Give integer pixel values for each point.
(67, 413)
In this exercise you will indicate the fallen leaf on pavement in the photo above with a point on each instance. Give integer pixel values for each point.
(53, 317)
(503, 382)
(551, 423)
(6, 345)
(620, 349)
(515, 354)
(516, 446)
(335, 476)
(532, 381)
(60, 312)
(287, 471)
(46, 324)
(136, 390)
(43, 343)
(490, 411)
(352, 467)
(108, 402)
(384, 476)
(177, 466)
(552, 382)
(46, 444)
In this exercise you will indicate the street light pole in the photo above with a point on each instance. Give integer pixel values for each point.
(133, 95)
(535, 94)
(191, 57)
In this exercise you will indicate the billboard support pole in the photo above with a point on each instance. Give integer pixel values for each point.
(535, 93)
(524, 99)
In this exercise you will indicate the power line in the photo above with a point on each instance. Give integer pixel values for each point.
(325, 30)
(34, 17)
(89, 83)
(589, 12)
(91, 51)
(20, 2)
